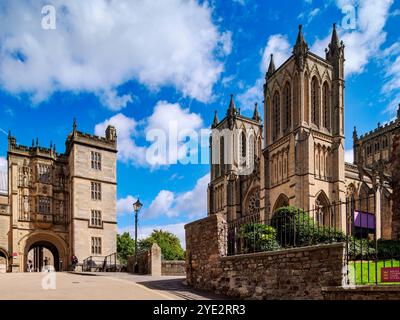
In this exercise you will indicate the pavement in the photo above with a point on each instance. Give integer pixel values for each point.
(97, 286)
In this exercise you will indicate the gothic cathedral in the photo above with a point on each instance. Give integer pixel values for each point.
(298, 156)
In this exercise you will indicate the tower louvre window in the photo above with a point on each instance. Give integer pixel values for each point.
(96, 190)
(315, 102)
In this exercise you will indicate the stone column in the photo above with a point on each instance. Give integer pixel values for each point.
(155, 258)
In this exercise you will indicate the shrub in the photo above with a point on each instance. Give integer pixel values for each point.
(360, 248)
(296, 228)
(258, 237)
(388, 249)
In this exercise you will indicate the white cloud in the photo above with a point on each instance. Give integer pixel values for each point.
(100, 44)
(177, 229)
(391, 88)
(128, 151)
(193, 203)
(164, 116)
(161, 205)
(349, 156)
(3, 164)
(125, 205)
(279, 46)
(363, 42)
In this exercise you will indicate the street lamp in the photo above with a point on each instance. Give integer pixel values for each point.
(136, 207)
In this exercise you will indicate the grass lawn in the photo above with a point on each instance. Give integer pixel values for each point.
(359, 271)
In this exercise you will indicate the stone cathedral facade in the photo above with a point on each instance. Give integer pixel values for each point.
(298, 152)
(58, 204)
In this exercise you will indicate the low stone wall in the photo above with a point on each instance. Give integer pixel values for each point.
(298, 273)
(173, 268)
(149, 262)
(386, 292)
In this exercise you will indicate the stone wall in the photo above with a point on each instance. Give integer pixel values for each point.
(362, 293)
(173, 268)
(297, 273)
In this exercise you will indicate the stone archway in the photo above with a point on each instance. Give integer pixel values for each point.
(52, 243)
(282, 201)
(3, 260)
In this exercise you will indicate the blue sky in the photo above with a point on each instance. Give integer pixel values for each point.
(142, 65)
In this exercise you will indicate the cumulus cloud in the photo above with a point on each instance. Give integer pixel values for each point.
(349, 156)
(166, 118)
(364, 42)
(391, 88)
(279, 46)
(99, 45)
(125, 205)
(128, 151)
(191, 203)
(3, 164)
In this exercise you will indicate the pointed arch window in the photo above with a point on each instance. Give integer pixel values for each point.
(306, 99)
(287, 100)
(326, 105)
(315, 101)
(276, 117)
(296, 97)
(243, 150)
(222, 155)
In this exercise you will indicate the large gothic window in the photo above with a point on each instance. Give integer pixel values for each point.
(276, 116)
(315, 101)
(222, 155)
(296, 95)
(326, 105)
(244, 146)
(306, 99)
(287, 100)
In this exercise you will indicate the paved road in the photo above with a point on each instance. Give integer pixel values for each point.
(108, 286)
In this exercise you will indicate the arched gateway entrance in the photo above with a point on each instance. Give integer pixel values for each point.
(45, 249)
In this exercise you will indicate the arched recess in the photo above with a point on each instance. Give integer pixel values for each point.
(276, 115)
(282, 201)
(326, 106)
(323, 213)
(49, 240)
(4, 257)
(386, 214)
(296, 98)
(287, 107)
(315, 98)
(306, 98)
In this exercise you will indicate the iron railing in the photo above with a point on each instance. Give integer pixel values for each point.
(108, 263)
(352, 222)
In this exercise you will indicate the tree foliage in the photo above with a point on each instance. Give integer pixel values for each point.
(169, 243)
(125, 247)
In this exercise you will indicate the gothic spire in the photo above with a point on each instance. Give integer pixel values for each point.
(300, 49)
(231, 113)
(355, 135)
(215, 122)
(271, 68)
(256, 115)
(335, 37)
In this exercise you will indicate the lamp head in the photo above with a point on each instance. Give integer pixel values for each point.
(137, 205)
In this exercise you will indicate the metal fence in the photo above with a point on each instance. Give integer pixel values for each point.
(352, 222)
(102, 264)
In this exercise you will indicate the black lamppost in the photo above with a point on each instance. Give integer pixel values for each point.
(136, 207)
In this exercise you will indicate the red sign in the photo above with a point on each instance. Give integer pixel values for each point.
(15, 254)
(390, 275)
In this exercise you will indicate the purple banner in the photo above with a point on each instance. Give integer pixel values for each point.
(364, 220)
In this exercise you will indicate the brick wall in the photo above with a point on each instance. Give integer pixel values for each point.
(297, 273)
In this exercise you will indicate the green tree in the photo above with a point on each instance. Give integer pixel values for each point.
(125, 246)
(169, 243)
